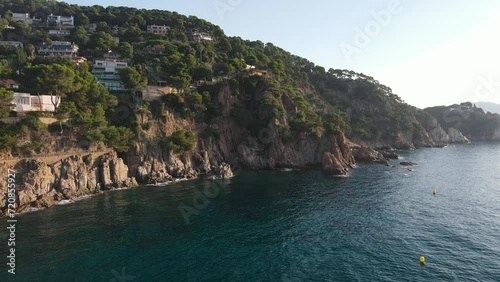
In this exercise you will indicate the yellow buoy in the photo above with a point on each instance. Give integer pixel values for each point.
(422, 260)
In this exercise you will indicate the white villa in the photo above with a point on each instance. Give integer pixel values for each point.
(61, 20)
(158, 29)
(21, 17)
(58, 49)
(25, 17)
(25, 102)
(107, 73)
(201, 36)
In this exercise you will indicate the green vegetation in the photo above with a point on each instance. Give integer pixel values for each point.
(267, 84)
(182, 141)
(5, 102)
(132, 79)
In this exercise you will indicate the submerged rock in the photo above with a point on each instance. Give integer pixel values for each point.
(407, 163)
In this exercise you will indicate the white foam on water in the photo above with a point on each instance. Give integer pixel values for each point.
(64, 202)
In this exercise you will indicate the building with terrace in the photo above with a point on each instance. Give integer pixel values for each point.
(107, 73)
(158, 29)
(58, 49)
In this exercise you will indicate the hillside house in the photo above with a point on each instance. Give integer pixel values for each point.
(158, 29)
(16, 44)
(107, 73)
(79, 60)
(61, 20)
(58, 49)
(25, 102)
(201, 36)
(25, 17)
(10, 84)
(258, 72)
(21, 17)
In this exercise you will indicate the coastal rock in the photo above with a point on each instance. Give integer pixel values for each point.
(436, 132)
(45, 201)
(225, 171)
(303, 152)
(222, 172)
(496, 135)
(408, 163)
(467, 120)
(40, 184)
(456, 136)
(181, 166)
(38, 181)
(153, 172)
(365, 154)
(338, 160)
(154, 163)
(332, 165)
(405, 140)
(389, 155)
(114, 172)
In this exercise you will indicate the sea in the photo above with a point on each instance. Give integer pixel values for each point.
(290, 225)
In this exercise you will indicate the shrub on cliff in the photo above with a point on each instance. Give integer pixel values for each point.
(8, 135)
(5, 102)
(334, 122)
(181, 141)
(119, 138)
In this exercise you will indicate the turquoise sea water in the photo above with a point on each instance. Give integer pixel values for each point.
(281, 226)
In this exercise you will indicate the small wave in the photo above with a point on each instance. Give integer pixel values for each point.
(180, 179)
(343, 176)
(177, 180)
(84, 197)
(160, 184)
(67, 202)
(64, 202)
(121, 189)
(30, 210)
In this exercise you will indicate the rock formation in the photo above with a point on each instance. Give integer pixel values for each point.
(366, 154)
(224, 171)
(457, 136)
(39, 184)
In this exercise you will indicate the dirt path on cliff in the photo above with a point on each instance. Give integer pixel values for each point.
(51, 159)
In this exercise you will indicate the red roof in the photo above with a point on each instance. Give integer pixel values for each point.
(8, 82)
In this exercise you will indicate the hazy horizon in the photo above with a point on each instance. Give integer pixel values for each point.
(430, 53)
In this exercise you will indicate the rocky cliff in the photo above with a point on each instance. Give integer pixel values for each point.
(40, 184)
(250, 144)
(466, 122)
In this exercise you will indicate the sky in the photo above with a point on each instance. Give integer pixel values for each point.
(430, 52)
